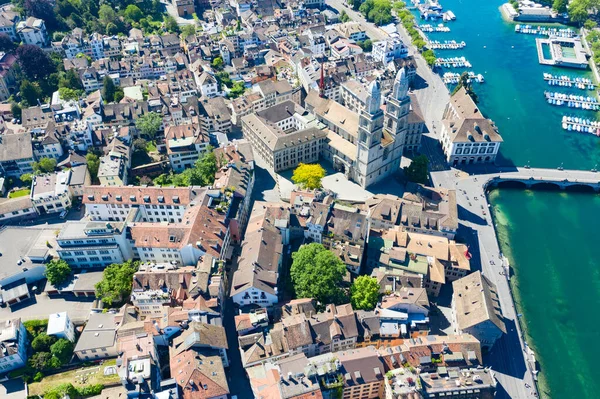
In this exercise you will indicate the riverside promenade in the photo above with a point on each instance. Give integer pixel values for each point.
(511, 358)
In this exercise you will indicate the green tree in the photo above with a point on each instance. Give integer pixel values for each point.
(429, 57)
(57, 271)
(26, 179)
(560, 5)
(133, 13)
(93, 163)
(119, 94)
(43, 342)
(107, 15)
(15, 109)
(149, 124)
(309, 175)
(367, 45)
(69, 94)
(590, 25)
(140, 145)
(44, 165)
(30, 92)
(237, 90)
(345, 17)
(364, 293)
(62, 350)
(217, 63)
(171, 25)
(204, 168)
(377, 11)
(70, 80)
(116, 283)
(417, 171)
(188, 30)
(41, 361)
(317, 273)
(108, 89)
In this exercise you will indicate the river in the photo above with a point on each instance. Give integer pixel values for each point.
(549, 237)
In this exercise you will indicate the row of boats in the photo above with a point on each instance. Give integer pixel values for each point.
(453, 62)
(545, 31)
(446, 45)
(430, 28)
(566, 81)
(572, 101)
(572, 123)
(453, 78)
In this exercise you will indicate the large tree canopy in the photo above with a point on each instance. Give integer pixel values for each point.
(57, 271)
(116, 283)
(317, 273)
(308, 175)
(34, 62)
(364, 293)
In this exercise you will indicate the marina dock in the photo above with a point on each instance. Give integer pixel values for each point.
(454, 62)
(572, 101)
(452, 78)
(446, 45)
(430, 28)
(545, 31)
(566, 81)
(582, 125)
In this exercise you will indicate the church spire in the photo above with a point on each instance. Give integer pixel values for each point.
(400, 90)
(373, 98)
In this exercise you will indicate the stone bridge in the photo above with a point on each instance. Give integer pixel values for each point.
(571, 180)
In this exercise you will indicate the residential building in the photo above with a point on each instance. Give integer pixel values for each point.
(468, 137)
(33, 31)
(352, 30)
(50, 193)
(61, 326)
(185, 143)
(185, 8)
(9, 18)
(8, 78)
(435, 258)
(388, 50)
(16, 154)
(138, 365)
(256, 278)
(454, 383)
(421, 209)
(476, 309)
(201, 335)
(80, 178)
(13, 345)
(98, 340)
(284, 135)
(17, 209)
(93, 244)
(199, 374)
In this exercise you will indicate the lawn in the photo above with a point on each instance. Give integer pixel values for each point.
(79, 377)
(19, 193)
(151, 147)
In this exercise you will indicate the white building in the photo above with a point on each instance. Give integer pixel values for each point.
(33, 31)
(13, 345)
(50, 193)
(61, 326)
(90, 244)
(468, 137)
(388, 50)
(208, 85)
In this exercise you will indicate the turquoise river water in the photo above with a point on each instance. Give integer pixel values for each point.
(550, 237)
